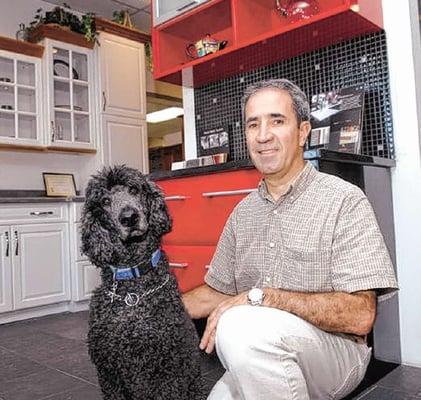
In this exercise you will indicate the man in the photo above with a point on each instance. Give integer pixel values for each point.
(291, 292)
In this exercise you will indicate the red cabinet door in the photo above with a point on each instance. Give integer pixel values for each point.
(189, 264)
(200, 205)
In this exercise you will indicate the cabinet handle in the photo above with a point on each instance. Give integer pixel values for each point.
(38, 213)
(104, 100)
(176, 197)
(228, 193)
(6, 236)
(17, 243)
(187, 5)
(53, 131)
(178, 265)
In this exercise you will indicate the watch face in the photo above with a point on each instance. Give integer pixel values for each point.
(255, 295)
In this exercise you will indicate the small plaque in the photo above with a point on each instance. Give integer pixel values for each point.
(59, 185)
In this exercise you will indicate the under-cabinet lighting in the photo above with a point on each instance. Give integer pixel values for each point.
(164, 115)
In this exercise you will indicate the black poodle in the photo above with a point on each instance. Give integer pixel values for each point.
(141, 340)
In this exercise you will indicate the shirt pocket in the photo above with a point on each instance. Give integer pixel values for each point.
(307, 270)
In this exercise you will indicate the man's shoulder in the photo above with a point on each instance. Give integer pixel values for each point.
(336, 186)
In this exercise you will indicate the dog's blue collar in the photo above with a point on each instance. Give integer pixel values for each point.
(122, 273)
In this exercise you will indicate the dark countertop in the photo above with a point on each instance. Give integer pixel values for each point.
(34, 196)
(318, 154)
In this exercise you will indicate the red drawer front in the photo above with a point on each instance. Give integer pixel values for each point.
(189, 264)
(200, 205)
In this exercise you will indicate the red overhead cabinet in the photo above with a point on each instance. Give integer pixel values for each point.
(257, 35)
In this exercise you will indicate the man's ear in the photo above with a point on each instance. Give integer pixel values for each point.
(305, 129)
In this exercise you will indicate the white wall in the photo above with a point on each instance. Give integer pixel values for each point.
(406, 177)
(20, 170)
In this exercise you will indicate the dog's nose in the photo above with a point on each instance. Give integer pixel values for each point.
(129, 217)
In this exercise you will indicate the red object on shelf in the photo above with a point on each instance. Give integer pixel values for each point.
(257, 35)
(199, 207)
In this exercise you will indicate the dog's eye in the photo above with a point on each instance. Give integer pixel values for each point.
(106, 201)
(134, 191)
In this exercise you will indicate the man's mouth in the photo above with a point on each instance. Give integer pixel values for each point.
(267, 152)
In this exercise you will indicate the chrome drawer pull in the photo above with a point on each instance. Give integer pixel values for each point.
(169, 198)
(38, 213)
(6, 236)
(228, 193)
(17, 243)
(178, 265)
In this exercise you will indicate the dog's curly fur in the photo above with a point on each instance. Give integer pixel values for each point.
(148, 351)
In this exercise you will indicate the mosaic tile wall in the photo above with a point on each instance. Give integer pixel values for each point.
(362, 60)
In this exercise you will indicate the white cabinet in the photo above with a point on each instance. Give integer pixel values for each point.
(85, 276)
(34, 260)
(20, 99)
(122, 71)
(69, 90)
(125, 141)
(123, 111)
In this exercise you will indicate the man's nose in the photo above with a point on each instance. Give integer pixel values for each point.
(264, 134)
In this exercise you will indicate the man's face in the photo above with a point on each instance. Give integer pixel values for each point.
(274, 138)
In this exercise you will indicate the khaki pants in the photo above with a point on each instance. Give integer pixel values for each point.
(270, 354)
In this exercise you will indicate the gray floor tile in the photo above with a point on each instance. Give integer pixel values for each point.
(39, 385)
(85, 393)
(13, 366)
(382, 393)
(403, 378)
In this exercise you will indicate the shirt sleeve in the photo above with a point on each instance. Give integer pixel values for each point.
(360, 259)
(220, 275)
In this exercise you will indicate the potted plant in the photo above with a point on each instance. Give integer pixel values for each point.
(63, 17)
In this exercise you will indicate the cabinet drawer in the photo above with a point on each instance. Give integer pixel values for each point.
(189, 264)
(33, 213)
(200, 205)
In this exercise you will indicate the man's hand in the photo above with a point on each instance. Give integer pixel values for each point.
(208, 340)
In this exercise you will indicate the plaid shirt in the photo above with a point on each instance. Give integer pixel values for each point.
(320, 236)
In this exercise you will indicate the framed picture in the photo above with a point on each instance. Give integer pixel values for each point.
(59, 185)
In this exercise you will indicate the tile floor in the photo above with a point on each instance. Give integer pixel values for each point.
(46, 358)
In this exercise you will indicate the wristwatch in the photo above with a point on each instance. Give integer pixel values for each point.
(255, 297)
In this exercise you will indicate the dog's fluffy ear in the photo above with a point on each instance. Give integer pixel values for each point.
(159, 218)
(96, 238)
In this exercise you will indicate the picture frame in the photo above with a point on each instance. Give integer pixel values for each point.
(59, 184)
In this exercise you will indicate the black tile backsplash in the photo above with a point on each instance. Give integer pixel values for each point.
(362, 60)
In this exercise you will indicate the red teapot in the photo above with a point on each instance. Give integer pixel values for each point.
(296, 10)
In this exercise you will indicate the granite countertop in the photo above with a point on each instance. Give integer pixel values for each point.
(34, 196)
(318, 154)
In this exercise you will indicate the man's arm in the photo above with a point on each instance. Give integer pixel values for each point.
(200, 302)
(333, 312)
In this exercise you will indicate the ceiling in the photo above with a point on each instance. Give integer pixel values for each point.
(141, 17)
(139, 9)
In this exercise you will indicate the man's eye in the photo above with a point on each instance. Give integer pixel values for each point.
(134, 191)
(278, 121)
(106, 201)
(251, 126)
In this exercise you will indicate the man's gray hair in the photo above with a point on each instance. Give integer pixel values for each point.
(299, 99)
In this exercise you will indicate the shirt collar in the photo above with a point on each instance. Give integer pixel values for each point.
(296, 187)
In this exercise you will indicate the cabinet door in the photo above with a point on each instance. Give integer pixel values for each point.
(88, 278)
(41, 264)
(122, 66)
(69, 72)
(6, 303)
(20, 105)
(125, 142)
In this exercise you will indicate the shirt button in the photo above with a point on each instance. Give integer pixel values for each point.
(275, 212)
(292, 197)
(271, 244)
(267, 279)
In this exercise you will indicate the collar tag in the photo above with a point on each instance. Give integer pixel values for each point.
(156, 256)
(121, 274)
